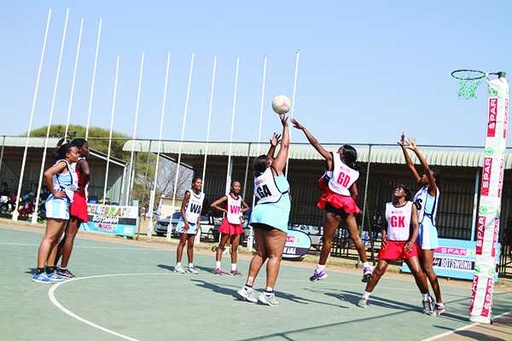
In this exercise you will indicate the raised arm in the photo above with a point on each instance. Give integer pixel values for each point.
(432, 187)
(314, 142)
(274, 141)
(279, 161)
(408, 160)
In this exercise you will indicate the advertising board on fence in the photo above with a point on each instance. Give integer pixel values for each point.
(297, 244)
(456, 259)
(112, 219)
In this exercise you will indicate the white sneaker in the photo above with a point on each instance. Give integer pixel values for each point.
(363, 303)
(192, 270)
(247, 295)
(267, 299)
(179, 269)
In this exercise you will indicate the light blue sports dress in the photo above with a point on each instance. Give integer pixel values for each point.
(273, 206)
(427, 210)
(58, 208)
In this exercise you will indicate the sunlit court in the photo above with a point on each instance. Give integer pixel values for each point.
(128, 291)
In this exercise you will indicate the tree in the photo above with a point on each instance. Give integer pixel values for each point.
(145, 163)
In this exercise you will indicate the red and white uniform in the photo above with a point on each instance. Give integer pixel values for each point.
(337, 194)
(232, 222)
(398, 232)
(78, 208)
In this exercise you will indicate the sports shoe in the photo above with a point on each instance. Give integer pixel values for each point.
(367, 274)
(41, 278)
(235, 273)
(439, 308)
(192, 270)
(55, 277)
(428, 306)
(362, 303)
(318, 275)
(179, 269)
(64, 272)
(247, 295)
(217, 271)
(268, 299)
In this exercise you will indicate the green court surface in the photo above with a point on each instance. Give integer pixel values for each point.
(127, 291)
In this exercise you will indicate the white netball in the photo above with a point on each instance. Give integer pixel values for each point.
(281, 104)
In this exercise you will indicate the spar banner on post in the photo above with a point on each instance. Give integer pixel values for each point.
(488, 224)
(112, 219)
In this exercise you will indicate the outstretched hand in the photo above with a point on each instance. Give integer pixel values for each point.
(402, 142)
(284, 119)
(275, 139)
(297, 125)
(411, 144)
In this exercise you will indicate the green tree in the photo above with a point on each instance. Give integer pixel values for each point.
(98, 140)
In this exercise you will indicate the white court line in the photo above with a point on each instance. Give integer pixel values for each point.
(461, 328)
(135, 248)
(51, 295)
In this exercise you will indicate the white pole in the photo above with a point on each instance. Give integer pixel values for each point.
(230, 166)
(32, 111)
(185, 112)
(136, 119)
(50, 119)
(72, 92)
(162, 115)
(210, 110)
(112, 114)
(93, 81)
(262, 102)
(250, 240)
(295, 77)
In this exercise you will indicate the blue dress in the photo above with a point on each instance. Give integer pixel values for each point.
(275, 214)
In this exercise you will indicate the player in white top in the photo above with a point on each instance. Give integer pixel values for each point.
(338, 200)
(426, 200)
(399, 242)
(234, 206)
(189, 224)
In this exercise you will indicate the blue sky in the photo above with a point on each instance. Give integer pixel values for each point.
(367, 70)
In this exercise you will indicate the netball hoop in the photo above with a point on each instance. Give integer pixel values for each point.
(470, 80)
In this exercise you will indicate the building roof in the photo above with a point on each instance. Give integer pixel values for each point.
(451, 156)
(34, 142)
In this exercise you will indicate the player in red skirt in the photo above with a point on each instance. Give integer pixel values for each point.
(338, 200)
(231, 227)
(399, 242)
(78, 208)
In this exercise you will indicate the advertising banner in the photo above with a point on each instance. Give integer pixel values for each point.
(456, 258)
(111, 219)
(297, 244)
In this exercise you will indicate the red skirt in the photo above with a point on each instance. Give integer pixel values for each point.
(395, 250)
(338, 201)
(232, 229)
(78, 208)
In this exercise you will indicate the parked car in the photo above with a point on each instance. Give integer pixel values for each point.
(315, 233)
(162, 225)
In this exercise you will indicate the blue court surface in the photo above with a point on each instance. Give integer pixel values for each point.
(127, 290)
